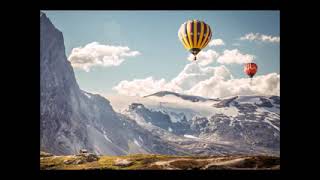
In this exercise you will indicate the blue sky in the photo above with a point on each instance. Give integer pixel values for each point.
(154, 35)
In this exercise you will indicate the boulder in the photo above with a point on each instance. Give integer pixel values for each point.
(89, 157)
(123, 162)
(82, 158)
(83, 151)
(68, 161)
(45, 154)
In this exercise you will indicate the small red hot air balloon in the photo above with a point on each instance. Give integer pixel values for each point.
(250, 69)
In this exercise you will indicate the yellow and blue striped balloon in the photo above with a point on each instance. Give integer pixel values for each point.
(195, 35)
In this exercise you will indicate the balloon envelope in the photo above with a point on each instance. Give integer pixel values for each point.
(250, 69)
(194, 35)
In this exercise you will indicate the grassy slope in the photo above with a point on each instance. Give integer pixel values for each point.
(148, 161)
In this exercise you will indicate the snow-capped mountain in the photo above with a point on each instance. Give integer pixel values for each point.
(249, 124)
(183, 96)
(162, 123)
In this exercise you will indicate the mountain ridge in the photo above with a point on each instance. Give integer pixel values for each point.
(183, 96)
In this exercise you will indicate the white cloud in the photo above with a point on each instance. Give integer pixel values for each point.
(142, 87)
(192, 74)
(204, 81)
(260, 37)
(217, 87)
(186, 79)
(205, 57)
(216, 42)
(235, 56)
(223, 72)
(95, 54)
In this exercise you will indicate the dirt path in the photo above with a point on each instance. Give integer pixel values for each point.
(225, 163)
(211, 161)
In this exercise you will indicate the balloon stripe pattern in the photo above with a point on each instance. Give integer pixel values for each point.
(190, 33)
(250, 69)
(201, 29)
(183, 36)
(194, 35)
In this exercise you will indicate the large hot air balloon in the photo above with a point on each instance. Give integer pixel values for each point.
(195, 35)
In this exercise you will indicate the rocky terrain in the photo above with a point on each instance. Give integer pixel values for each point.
(158, 162)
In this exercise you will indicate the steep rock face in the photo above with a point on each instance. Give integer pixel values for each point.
(70, 118)
(58, 90)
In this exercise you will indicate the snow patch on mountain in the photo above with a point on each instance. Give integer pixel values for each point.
(190, 136)
(86, 94)
(136, 142)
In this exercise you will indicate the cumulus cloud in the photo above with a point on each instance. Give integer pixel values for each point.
(218, 87)
(216, 42)
(223, 72)
(205, 57)
(193, 73)
(235, 56)
(186, 79)
(204, 81)
(260, 37)
(95, 54)
(142, 87)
